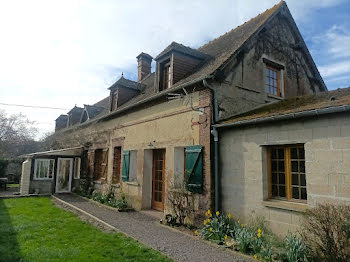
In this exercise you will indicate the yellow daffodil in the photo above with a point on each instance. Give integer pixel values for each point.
(259, 231)
(255, 256)
(217, 213)
(225, 237)
(205, 222)
(206, 214)
(196, 232)
(229, 215)
(211, 229)
(210, 215)
(208, 211)
(259, 235)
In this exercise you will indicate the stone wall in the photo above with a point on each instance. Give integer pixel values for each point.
(243, 167)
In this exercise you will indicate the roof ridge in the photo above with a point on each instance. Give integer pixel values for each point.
(277, 6)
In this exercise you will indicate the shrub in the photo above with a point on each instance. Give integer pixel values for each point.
(326, 232)
(182, 205)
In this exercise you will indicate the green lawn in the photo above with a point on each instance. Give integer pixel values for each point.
(33, 229)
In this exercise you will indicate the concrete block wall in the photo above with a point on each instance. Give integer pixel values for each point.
(244, 168)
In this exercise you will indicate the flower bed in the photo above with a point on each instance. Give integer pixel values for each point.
(251, 239)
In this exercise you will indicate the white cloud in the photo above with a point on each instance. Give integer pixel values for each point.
(336, 69)
(61, 53)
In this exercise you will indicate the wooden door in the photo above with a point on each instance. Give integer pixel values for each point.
(158, 178)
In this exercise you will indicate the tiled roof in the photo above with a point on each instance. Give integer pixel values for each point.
(65, 117)
(339, 97)
(220, 49)
(76, 109)
(94, 111)
(182, 49)
(103, 103)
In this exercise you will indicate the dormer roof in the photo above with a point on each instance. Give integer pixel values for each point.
(181, 49)
(75, 109)
(123, 82)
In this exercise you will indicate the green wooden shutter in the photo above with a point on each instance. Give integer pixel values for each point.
(194, 168)
(126, 165)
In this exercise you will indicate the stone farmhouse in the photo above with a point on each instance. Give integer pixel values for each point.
(222, 119)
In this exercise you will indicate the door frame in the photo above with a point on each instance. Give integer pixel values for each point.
(70, 174)
(156, 205)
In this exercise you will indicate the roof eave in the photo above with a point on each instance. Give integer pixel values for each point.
(290, 116)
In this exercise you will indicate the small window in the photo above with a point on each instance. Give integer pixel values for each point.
(77, 162)
(44, 169)
(272, 84)
(286, 170)
(117, 157)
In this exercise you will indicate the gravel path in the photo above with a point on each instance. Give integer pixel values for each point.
(147, 229)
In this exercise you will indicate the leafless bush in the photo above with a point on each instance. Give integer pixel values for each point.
(182, 205)
(326, 232)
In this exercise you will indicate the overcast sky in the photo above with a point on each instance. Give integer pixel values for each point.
(62, 53)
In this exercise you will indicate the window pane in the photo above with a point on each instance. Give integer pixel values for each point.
(282, 190)
(302, 166)
(295, 192)
(301, 153)
(273, 166)
(281, 153)
(295, 179)
(282, 180)
(274, 178)
(295, 166)
(274, 190)
(281, 166)
(273, 153)
(294, 153)
(302, 180)
(303, 193)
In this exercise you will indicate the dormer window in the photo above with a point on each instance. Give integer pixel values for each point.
(165, 78)
(175, 63)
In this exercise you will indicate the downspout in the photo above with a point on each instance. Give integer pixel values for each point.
(215, 134)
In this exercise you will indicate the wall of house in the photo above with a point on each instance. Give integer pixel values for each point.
(167, 125)
(244, 168)
(243, 88)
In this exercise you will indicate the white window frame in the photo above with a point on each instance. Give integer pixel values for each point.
(37, 161)
(77, 170)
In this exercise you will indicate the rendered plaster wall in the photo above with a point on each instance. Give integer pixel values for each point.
(167, 125)
(244, 168)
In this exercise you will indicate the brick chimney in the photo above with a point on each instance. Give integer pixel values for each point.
(143, 65)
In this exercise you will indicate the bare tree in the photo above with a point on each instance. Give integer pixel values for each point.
(16, 135)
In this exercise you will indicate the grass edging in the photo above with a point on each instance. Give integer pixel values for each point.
(86, 213)
(103, 222)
